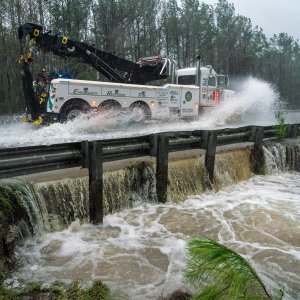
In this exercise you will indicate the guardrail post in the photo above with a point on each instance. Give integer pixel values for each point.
(153, 143)
(162, 156)
(95, 182)
(257, 136)
(85, 154)
(210, 147)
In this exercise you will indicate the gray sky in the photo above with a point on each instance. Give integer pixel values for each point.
(274, 16)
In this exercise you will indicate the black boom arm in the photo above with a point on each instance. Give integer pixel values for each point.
(114, 68)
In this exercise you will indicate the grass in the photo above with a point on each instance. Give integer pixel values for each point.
(56, 291)
(5, 200)
(281, 126)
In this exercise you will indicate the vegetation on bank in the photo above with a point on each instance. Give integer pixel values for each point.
(57, 291)
(281, 126)
(6, 200)
(134, 29)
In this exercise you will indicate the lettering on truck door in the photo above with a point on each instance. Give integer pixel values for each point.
(189, 100)
(174, 100)
(79, 90)
(174, 97)
(161, 106)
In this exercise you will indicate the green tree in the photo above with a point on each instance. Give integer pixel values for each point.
(133, 28)
(171, 29)
(226, 37)
(227, 275)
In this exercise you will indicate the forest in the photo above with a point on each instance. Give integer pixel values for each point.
(181, 30)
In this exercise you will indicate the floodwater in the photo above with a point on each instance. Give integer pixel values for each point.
(141, 252)
(246, 108)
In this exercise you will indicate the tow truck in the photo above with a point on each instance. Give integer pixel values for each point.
(61, 99)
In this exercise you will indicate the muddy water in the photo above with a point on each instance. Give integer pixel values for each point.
(141, 252)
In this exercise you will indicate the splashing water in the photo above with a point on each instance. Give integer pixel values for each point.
(142, 251)
(253, 105)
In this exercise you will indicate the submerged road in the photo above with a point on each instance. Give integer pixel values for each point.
(14, 133)
(255, 104)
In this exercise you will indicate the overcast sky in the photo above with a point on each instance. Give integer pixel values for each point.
(274, 16)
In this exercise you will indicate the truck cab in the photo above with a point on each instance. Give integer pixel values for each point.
(212, 86)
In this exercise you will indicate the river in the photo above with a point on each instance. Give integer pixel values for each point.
(141, 252)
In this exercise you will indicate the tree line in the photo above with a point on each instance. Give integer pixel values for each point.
(137, 28)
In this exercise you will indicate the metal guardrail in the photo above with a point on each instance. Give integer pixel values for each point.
(27, 160)
(33, 159)
(92, 155)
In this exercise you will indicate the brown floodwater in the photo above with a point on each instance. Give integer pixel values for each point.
(141, 252)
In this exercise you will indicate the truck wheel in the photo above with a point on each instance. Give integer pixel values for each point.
(73, 111)
(109, 108)
(140, 112)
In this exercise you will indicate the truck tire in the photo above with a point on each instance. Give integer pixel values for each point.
(74, 110)
(110, 108)
(140, 112)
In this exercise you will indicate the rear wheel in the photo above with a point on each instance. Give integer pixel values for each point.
(74, 110)
(140, 112)
(109, 108)
(74, 113)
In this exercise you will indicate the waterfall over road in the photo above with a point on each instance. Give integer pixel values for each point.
(141, 251)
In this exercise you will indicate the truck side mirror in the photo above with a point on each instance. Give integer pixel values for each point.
(226, 80)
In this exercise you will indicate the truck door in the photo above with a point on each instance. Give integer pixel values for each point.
(212, 85)
(189, 102)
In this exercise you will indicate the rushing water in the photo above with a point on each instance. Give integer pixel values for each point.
(253, 105)
(141, 252)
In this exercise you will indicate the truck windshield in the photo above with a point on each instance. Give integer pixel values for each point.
(187, 79)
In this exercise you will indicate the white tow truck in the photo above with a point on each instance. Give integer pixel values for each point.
(191, 90)
(194, 90)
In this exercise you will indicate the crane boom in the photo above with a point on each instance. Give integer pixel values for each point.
(59, 97)
(114, 68)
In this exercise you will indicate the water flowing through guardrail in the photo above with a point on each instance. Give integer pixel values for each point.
(141, 251)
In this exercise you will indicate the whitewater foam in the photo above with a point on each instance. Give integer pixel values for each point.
(142, 251)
